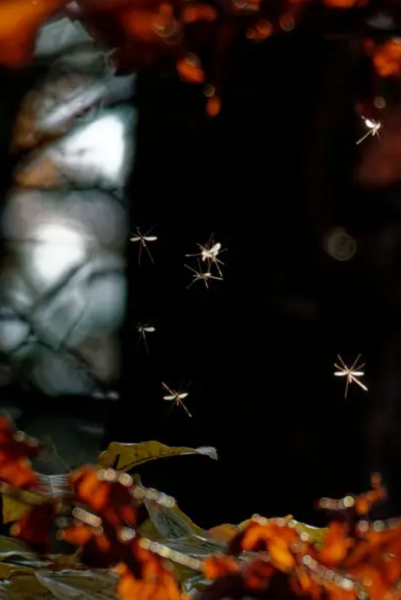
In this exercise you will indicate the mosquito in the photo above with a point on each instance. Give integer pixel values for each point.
(350, 373)
(176, 397)
(143, 239)
(373, 129)
(201, 275)
(142, 331)
(209, 253)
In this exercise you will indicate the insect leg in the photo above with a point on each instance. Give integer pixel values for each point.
(138, 342)
(342, 362)
(346, 386)
(355, 362)
(364, 137)
(359, 383)
(216, 261)
(184, 407)
(148, 251)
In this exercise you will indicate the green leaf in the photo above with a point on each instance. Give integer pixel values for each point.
(97, 584)
(50, 486)
(170, 522)
(164, 521)
(315, 534)
(195, 546)
(9, 544)
(25, 559)
(24, 586)
(195, 584)
(124, 457)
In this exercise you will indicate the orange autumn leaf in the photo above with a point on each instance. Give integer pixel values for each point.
(145, 575)
(154, 25)
(98, 548)
(281, 554)
(15, 443)
(276, 538)
(260, 537)
(302, 584)
(15, 450)
(336, 544)
(213, 106)
(199, 12)
(357, 505)
(18, 473)
(35, 526)
(89, 489)
(79, 534)
(371, 544)
(189, 69)
(374, 579)
(345, 3)
(19, 23)
(387, 58)
(163, 588)
(260, 31)
(218, 566)
(147, 564)
(364, 502)
(233, 580)
(139, 24)
(257, 575)
(332, 591)
(107, 493)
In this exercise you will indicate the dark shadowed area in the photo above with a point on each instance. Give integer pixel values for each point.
(273, 177)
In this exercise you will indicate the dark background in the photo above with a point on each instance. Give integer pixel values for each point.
(269, 176)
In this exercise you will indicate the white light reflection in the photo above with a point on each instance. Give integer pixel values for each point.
(339, 244)
(57, 248)
(98, 147)
(97, 154)
(63, 284)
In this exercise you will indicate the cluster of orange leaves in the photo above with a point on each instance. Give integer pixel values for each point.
(354, 559)
(357, 559)
(386, 56)
(15, 451)
(143, 32)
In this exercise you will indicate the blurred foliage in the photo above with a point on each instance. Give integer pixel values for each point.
(133, 542)
(123, 539)
(143, 34)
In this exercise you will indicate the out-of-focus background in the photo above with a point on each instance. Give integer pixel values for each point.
(311, 270)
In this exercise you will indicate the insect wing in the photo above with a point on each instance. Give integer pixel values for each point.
(182, 395)
(216, 249)
(369, 123)
(149, 329)
(170, 398)
(150, 238)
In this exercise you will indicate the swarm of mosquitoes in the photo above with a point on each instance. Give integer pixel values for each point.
(208, 259)
(208, 255)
